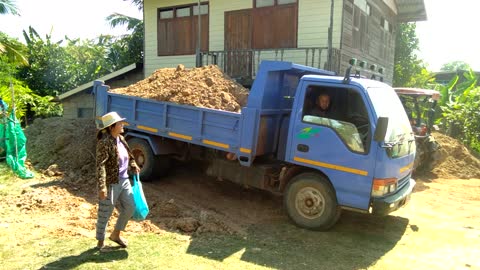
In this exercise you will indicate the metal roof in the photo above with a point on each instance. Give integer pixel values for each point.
(411, 10)
(90, 84)
(417, 92)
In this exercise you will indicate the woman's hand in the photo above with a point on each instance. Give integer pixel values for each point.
(102, 194)
(136, 169)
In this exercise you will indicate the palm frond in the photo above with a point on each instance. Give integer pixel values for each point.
(138, 3)
(117, 19)
(8, 7)
(12, 51)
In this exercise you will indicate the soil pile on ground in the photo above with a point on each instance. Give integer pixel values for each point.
(58, 146)
(64, 149)
(206, 87)
(455, 160)
(79, 215)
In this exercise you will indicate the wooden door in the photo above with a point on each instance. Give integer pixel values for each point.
(238, 43)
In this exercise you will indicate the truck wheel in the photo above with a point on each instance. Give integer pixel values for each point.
(144, 157)
(311, 202)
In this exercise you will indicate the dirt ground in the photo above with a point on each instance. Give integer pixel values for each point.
(64, 149)
(439, 228)
(443, 215)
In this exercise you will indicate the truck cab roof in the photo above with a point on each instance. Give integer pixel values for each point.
(363, 82)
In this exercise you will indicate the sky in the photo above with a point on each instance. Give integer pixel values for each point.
(76, 19)
(450, 33)
(447, 35)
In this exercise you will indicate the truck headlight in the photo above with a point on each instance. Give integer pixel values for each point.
(383, 186)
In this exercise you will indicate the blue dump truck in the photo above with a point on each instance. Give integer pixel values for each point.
(359, 158)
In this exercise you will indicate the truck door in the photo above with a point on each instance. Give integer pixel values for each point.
(331, 131)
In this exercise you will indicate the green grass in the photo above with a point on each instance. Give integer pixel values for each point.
(167, 251)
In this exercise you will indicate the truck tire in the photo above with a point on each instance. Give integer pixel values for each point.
(151, 166)
(311, 202)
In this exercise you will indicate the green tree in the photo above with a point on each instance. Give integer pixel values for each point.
(127, 49)
(57, 67)
(23, 96)
(48, 73)
(8, 46)
(455, 65)
(409, 70)
(8, 7)
(13, 50)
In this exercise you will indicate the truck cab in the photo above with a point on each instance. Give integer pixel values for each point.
(361, 151)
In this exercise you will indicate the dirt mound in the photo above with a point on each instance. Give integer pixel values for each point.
(205, 87)
(57, 145)
(454, 159)
(64, 149)
(58, 198)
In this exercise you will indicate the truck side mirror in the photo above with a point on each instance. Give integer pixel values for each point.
(381, 130)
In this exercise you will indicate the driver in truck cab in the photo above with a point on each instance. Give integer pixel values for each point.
(322, 108)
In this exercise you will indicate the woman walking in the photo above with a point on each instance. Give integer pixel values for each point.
(114, 163)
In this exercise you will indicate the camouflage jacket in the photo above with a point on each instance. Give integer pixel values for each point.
(108, 161)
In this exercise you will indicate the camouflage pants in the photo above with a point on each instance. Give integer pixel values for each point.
(120, 195)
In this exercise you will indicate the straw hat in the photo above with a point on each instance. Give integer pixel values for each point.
(108, 120)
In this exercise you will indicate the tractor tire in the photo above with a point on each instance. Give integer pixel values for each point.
(311, 202)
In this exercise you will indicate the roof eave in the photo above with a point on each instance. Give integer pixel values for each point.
(411, 11)
(90, 84)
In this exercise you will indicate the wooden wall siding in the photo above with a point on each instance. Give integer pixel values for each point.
(217, 20)
(312, 29)
(205, 21)
(166, 33)
(372, 44)
(314, 20)
(238, 36)
(275, 27)
(238, 29)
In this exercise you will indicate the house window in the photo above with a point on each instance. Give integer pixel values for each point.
(386, 49)
(385, 25)
(361, 4)
(269, 3)
(177, 29)
(264, 3)
(360, 25)
(274, 24)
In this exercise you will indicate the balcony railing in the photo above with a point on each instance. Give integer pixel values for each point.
(242, 65)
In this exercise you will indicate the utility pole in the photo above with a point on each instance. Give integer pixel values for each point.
(330, 37)
(199, 38)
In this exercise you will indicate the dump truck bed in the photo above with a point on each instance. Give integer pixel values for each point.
(254, 131)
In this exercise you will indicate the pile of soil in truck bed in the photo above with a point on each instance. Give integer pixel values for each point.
(206, 87)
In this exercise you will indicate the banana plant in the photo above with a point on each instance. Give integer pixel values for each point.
(460, 105)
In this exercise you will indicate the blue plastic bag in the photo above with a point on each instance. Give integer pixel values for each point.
(141, 206)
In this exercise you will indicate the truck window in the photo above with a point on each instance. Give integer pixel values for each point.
(342, 110)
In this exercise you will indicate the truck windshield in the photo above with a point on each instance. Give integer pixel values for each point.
(399, 132)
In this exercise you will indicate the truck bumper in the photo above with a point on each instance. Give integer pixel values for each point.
(385, 205)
